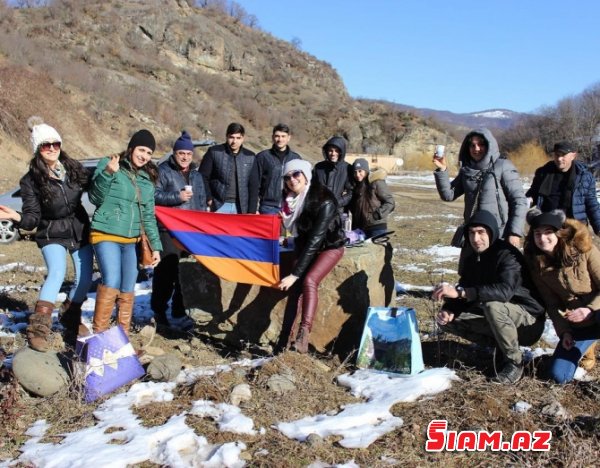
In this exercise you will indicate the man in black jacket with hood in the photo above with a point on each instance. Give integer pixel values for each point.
(335, 173)
(494, 298)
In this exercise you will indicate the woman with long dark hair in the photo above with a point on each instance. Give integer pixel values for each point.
(51, 193)
(310, 214)
(565, 266)
(372, 200)
(123, 191)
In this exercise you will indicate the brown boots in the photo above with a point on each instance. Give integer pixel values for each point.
(125, 310)
(301, 343)
(588, 360)
(105, 300)
(40, 325)
(69, 315)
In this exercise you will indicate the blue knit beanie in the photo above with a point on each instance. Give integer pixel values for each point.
(184, 142)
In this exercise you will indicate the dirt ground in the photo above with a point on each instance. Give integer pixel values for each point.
(473, 403)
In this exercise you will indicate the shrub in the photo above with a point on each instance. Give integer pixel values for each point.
(528, 157)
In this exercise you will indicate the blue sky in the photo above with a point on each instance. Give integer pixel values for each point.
(456, 55)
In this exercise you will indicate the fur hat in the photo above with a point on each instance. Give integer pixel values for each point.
(554, 218)
(142, 138)
(184, 142)
(298, 165)
(42, 133)
(361, 163)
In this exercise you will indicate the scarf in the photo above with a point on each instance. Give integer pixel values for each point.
(292, 207)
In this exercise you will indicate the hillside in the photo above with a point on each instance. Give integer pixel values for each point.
(99, 70)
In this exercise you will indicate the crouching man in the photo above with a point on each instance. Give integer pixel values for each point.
(494, 300)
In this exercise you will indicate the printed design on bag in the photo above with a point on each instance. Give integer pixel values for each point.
(390, 341)
(110, 359)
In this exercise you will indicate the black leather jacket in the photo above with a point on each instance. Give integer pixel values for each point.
(61, 220)
(319, 228)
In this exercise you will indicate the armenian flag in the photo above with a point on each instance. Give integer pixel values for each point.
(242, 248)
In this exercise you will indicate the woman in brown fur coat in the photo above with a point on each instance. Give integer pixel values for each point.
(565, 266)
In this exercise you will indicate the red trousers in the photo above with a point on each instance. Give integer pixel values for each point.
(317, 271)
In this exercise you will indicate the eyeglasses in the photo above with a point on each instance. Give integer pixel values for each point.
(295, 175)
(49, 146)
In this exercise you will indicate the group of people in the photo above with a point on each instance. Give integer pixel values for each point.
(502, 294)
(500, 299)
(125, 188)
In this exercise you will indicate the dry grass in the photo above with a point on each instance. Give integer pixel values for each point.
(528, 157)
(473, 403)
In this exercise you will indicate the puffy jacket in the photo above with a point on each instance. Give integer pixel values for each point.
(117, 209)
(170, 183)
(269, 166)
(216, 167)
(319, 227)
(501, 189)
(572, 286)
(379, 205)
(60, 220)
(336, 176)
(497, 274)
(583, 205)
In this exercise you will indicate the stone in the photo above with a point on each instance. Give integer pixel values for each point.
(279, 383)
(41, 374)
(314, 440)
(240, 393)
(555, 410)
(184, 348)
(242, 313)
(164, 368)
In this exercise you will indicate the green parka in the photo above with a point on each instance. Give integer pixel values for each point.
(115, 197)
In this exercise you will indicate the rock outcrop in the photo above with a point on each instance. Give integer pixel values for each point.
(240, 314)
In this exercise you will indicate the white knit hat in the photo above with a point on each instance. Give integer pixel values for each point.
(43, 133)
(298, 165)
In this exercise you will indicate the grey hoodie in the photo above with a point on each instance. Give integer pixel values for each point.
(507, 203)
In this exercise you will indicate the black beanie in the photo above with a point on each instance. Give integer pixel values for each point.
(142, 138)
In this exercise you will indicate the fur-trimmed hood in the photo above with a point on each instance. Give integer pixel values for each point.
(377, 174)
(577, 235)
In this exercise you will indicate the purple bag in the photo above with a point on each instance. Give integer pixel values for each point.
(110, 362)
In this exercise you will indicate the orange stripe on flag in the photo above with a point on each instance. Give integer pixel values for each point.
(242, 271)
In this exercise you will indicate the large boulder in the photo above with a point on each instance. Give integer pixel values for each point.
(41, 374)
(240, 314)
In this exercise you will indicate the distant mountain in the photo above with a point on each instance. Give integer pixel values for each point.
(494, 119)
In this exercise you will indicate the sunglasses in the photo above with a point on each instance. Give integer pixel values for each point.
(295, 175)
(49, 146)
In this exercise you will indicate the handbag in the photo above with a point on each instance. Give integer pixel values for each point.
(145, 251)
(390, 341)
(108, 362)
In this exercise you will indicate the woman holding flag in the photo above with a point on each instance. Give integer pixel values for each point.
(310, 214)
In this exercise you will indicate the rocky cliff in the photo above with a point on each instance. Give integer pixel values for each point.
(99, 70)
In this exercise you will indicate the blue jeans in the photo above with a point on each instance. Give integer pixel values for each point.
(228, 208)
(55, 256)
(265, 209)
(564, 363)
(118, 265)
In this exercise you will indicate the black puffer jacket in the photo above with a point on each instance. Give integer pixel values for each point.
(60, 220)
(319, 227)
(497, 274)
(336, 176)
(270, 165)
(216, 167)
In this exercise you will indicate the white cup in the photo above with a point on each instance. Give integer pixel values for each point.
(439, 151)
(187, 188)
